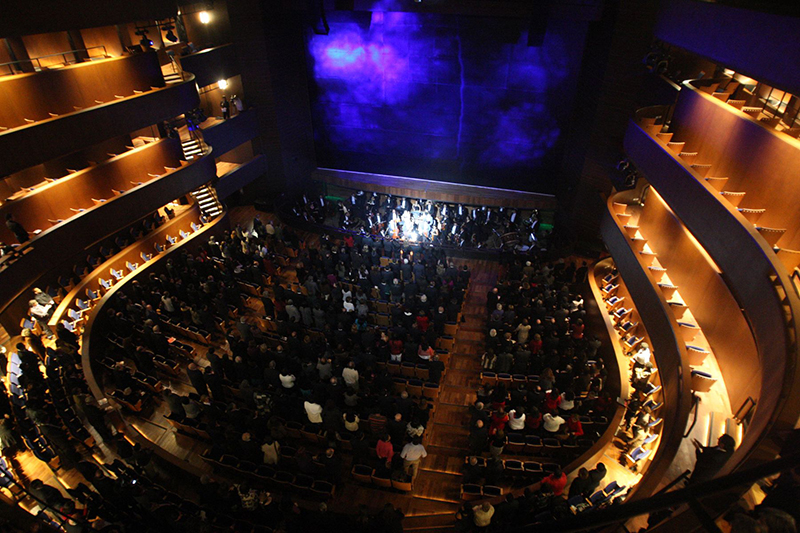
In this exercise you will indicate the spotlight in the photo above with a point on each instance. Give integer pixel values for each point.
(223, 84)
(205, 17)
(170, 35)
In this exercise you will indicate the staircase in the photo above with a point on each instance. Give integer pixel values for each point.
(173, 77)
(206, 198)
(191, 149)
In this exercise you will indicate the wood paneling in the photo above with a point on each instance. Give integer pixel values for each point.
(668, 349)
(56, 200)
(103, 36)
(705, 292)
(228, 134)
(34, 96)
(241, 176)
(59, 243)
(47, 44)
(212, 64)
(435, 190)
(33, 144)
(757, 160)
(754, 275)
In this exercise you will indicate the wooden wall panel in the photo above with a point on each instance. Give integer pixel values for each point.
(36, 143)
(757, 160)
(102, 36)
(705, 292)
(57, 244)
(55, 201)
(435, 190)
(668, 351)
(46, 44)
(34, 96)
(751, 272)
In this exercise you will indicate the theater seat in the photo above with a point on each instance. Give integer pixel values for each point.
(702, 381)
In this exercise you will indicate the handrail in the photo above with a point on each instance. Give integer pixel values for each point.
(64, 54)
(620, 513)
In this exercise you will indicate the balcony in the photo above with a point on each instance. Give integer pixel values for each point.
(755, 276)
(233, 176)
(225, 135)
(53, 113)
(659, 321)
(58, 243)
(212, 64)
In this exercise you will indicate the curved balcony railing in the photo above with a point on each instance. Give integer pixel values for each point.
(43, 140)
(668, 348)
(757, 279)
(58, 243)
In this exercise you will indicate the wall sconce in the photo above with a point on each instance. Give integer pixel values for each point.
(223, 84)
(205, 17)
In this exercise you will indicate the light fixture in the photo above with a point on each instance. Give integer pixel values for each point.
(223, 84)
(170, 35)
(205, 17)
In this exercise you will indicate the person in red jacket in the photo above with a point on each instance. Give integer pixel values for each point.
(499, 421)
(557, 481)
(574, 426)
(422, 321)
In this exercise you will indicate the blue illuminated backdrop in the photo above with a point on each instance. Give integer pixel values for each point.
(443, 97)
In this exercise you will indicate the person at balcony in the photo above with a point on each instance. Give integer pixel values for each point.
(17, 229)
(225, 106)
(710, 459)
(580, 484)
(42, 298)
(236, 102)
(596, 475)
(40, 314)
(482, 515)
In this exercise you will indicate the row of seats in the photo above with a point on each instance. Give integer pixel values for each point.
(367, 475)
(264, 475)
(33, 438)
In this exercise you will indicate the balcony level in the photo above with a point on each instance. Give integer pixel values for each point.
(749, 266)
(212, 64)
(668, 347)
(58, 243)
(225, 135)
(55, 113)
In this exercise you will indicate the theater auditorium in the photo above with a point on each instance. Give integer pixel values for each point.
(277, 266)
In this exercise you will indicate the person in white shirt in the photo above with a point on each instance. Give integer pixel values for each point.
(350, 375)
(313, 412)
(412, 454)
(552, 423)
(348, 305)
(523, 330)
(482, 514)
(287, 379)
(516, 419)
(642, 356)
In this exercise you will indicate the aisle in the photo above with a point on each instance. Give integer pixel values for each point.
(446, 440)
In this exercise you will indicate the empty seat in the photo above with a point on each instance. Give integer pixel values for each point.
(752, 111)
(380, 480)
(403, 485)
(647, 257)
(702, 381)
(722, 96)
(752, 215)
(619, 207)
(638, 244)
(689, 331)
(362, 473)
(734, 198)
(697, 354)
(738, 104)
(789, 258)
(631, 230)
(676, 147)
(668, 290)
(717, 183)
(471, 491)
(710, 88)
(771, 235)
(657, 272)
(688, 157)
(702, 170)
(492, 491)
(664, 136)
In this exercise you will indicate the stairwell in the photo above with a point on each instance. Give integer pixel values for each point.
(205, 195)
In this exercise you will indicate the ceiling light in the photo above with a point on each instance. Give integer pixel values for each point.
(223, 84)
(205, 18)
